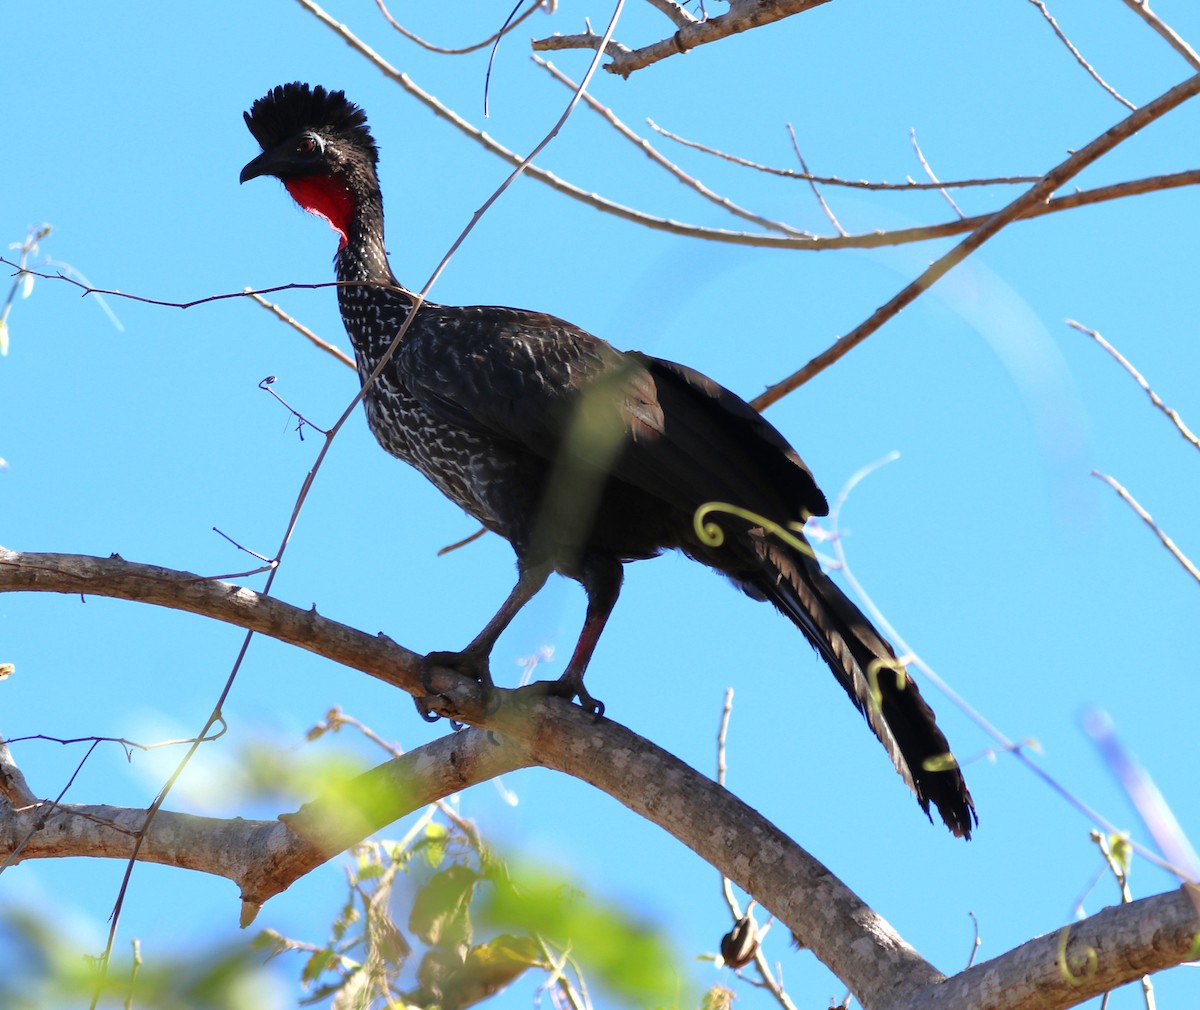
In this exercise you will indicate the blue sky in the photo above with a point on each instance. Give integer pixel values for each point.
(1015, 573)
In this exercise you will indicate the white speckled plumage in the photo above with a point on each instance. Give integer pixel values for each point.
(582, 456)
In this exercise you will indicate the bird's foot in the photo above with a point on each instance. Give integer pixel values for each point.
(470, 664)
(569, 687)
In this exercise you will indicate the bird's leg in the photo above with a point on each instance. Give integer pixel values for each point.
(473, 660)
(602, 581)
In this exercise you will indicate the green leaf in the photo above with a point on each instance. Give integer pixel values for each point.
(1122, 851)
(318, 964)
(440, 915)
(434, 848)
(484, 971)
(355, 994)
(629, 957)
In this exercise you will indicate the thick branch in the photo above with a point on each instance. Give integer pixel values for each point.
(1033, 197)
(263, 858)
(1078, 962)
(869, 240)
(742, 16)
(857, 945)
(115, 577)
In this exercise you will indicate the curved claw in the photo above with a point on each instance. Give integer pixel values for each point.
(590, 704)
(570, 690)
(468, 663)
(424, 711)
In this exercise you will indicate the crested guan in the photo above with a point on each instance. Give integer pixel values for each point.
(582, 456)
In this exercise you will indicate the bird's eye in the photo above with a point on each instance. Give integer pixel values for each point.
(307, 145)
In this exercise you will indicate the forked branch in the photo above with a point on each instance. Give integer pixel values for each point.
(690, 34)
(1059, 970)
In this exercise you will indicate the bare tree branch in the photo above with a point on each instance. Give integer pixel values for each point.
(648, 149)
(1079, 961)
(1142, 9)
(1145, 516)
(833, 180)
(857, 945)
(1031, 198)
(549, 732)
(812, 184)
(672, 10)
(300, 328)
(1041, 6)
(413, 37)
(1172, 414)
(742, 16)
(13, 787)
(932, 176)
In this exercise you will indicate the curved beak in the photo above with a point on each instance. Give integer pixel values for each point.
(259, 166)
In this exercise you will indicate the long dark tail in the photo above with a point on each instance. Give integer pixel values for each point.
(867, 668)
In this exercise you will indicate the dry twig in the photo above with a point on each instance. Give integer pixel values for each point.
(1145, 516)
(1019, 207)
(1176, 420)
(833, 180)
(300, 328)
(742, 16)
(1142, 9)
(816, 192)
(1040, 5)
(933, 178)
(495, 36)
(870, 240)
(648, 149)
(844, 932)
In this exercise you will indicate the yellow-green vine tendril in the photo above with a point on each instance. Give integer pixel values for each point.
(711, 534)
(1093, 960)
(873, 668)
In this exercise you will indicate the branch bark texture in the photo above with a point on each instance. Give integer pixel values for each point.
(692, 33)
(264, 857)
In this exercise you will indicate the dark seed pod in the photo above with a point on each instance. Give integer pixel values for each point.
(740, 944)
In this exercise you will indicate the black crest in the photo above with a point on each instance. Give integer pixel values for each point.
(289, 109)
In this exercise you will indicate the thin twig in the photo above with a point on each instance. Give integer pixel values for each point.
(1176, 420)
(1142, 9)
(1019, 751)
(463, 542)
(527, 161)
(816, 192)
(1032, 197)
(1117, 869)
(866, 240)
(929, 172)
(300, 328)
(417, 300)
(975, 945)
(1167, 542)
(648, 149)
(494, 37)
(833, 180)
(50, 806)
(768, 981)
(1040, 5)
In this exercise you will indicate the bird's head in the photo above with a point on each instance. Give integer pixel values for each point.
(318, 144)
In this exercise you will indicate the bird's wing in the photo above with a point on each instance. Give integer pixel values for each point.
(537, 382)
